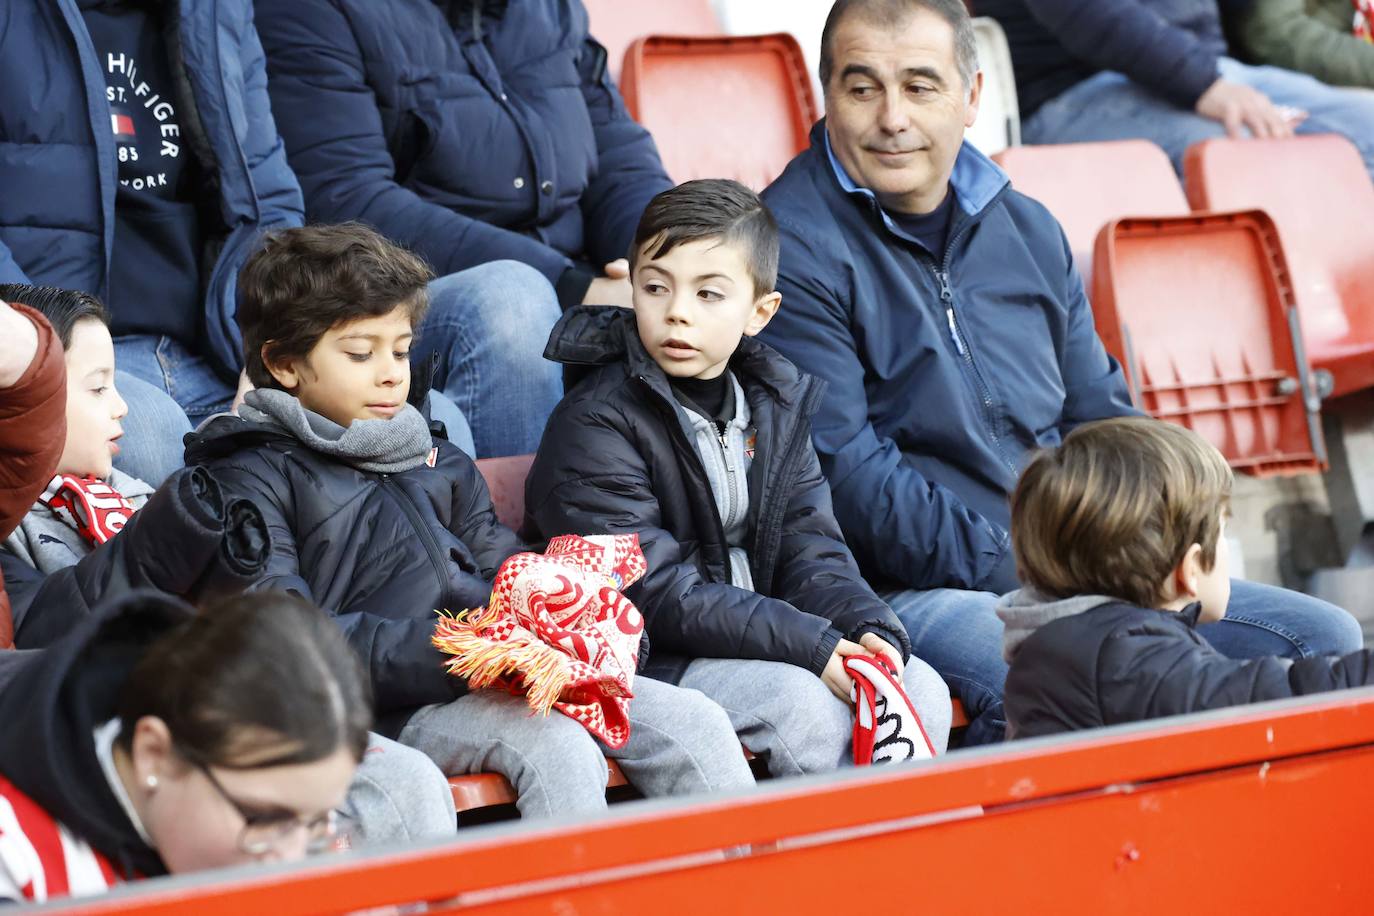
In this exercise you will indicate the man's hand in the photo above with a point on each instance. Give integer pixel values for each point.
(245, 386)
(612, 289)
(18, 345)
(876, 645)
(834, 676)
(1238, 106)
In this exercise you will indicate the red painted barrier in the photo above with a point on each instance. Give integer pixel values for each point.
(1254, 809)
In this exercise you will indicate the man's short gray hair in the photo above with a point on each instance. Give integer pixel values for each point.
(891, 14)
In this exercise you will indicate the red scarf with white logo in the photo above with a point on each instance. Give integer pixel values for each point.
(94, 508)
(1364, 19)
(558, 630)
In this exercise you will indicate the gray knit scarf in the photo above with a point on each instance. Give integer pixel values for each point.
(381, 446)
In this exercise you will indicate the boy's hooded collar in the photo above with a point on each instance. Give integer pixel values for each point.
(1026, 610)
(598, 335)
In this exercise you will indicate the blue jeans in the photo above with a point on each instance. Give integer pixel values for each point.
(1109, 106)
(489, 325)
(959, 634)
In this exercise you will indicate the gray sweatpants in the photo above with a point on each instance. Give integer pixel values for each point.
(788, 714)
(398, 795)
(680, 744)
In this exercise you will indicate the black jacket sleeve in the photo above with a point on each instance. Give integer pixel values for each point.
(474, 518)
(817, 572)
(405, 669)
(184, 541)
(589, 479)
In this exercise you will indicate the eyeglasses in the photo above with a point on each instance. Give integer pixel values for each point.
(264, 833)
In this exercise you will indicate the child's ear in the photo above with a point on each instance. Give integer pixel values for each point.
(765, 307)
(283, 370)
(1188, 574)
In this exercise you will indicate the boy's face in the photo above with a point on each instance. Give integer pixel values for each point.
(694, 304)
(359, 370)
(94, 407)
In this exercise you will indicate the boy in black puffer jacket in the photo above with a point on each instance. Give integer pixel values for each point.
(382, 524)
(1119, 534)
(697, 437)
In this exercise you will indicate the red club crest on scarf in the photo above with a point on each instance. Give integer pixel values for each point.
(559, 630)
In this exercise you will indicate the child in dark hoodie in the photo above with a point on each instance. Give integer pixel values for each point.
(1119, 535)
(383, 524)
(697, 437)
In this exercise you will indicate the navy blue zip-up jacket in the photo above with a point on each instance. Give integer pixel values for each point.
(616, 459)
(380, 552)
(1170, 47)
(467, 144)
(58, 166)
(942, 376)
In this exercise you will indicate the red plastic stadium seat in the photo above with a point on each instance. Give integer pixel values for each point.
(1200, 312)
(1087, 185)
(1320, 196)
(728, 107)
(486, 790)
(505, 479)
(616, 23)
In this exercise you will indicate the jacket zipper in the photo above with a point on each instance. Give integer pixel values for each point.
(732, 486)
(941, 272)
(770, 525)
(426, 538)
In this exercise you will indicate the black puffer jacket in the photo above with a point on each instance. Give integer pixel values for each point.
(188, 540)
(615, 458)
(381, 552)
(1121, 663)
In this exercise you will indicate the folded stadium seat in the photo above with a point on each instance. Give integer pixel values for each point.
(1086, 185)
(1200, 312)
(616, 23)
(1320, 196)
(730, 107)
(999, 116)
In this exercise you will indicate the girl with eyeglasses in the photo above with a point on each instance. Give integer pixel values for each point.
(154, 739)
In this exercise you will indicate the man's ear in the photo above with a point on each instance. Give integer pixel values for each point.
(285, 371)
(765, 307)
(975, 98)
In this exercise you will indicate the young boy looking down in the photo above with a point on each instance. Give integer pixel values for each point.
(696, 436)
(1119, 535)
(382, 524)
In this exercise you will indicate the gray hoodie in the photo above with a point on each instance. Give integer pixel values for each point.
(1025, 610)
(727, 459)
(47, 542)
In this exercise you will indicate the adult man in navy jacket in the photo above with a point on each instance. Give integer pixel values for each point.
(1113, 69)
(945, 312)
(469, 131)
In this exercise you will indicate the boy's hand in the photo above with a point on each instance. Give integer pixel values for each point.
(834, 676)
(612, 289)
(879, 646)
(18, 345)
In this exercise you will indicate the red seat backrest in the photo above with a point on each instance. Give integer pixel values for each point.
(505, 479)
(1320, 196)
(617, 23)
(730, 107)
(1087, 185)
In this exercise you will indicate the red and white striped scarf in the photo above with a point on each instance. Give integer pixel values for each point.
(94, 508)
(40, 859)
(1364, 19)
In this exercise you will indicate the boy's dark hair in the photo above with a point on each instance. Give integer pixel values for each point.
(258, 680)
(712, 208)
(304, 281)
(62, 307)
(1114, 508)
(894, 13)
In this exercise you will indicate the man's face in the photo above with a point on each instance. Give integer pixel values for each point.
(896, 108)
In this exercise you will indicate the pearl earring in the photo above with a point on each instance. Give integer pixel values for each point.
(152, 782)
